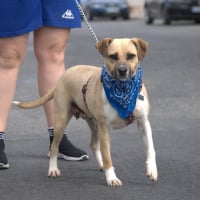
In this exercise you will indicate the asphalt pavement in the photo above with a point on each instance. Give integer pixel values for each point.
(171, 72)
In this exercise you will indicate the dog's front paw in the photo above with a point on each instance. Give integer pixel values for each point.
(111, 178)
(152, 171)
(115, 182)
(54, 172)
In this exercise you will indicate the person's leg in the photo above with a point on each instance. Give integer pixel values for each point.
(12, 52)
(49, 45)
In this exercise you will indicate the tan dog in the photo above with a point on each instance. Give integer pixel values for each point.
(79, 92)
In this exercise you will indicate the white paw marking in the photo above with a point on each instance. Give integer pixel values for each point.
(111, 178)
(152, 171)
(54, 172)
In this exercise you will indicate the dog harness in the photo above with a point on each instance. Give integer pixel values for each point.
(123, 94)
(84, 90)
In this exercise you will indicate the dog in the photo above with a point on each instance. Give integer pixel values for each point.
(84, 91)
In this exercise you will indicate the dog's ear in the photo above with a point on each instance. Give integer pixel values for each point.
(141, 46)
(102, 45)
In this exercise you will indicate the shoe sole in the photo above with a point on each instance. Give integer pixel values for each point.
(69, 158)
(4, 166)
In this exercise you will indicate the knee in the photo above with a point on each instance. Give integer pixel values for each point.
(53, 53)
(11, 58)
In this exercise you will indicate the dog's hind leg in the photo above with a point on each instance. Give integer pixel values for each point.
(63, 115)
(144, 128)
(94, 144)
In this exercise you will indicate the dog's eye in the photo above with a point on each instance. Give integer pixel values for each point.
(113, 56)
(130, 56)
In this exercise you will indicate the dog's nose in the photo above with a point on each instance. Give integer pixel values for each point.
(122, 70)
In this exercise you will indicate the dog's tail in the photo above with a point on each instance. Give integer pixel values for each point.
(36, 103)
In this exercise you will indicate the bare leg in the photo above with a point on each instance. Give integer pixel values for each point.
(50, 45)
(12, 52)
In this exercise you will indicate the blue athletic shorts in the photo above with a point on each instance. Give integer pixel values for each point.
(22, 16)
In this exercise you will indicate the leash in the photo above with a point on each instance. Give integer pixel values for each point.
(94, 36)
(86, 21)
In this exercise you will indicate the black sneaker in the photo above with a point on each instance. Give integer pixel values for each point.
(3, 159)
(69, 152)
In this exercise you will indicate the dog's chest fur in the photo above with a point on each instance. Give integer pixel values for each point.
(113, 120)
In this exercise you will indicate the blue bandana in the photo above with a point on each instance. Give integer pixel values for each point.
(122, 95)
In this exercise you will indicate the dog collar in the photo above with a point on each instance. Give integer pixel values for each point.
(122, 95)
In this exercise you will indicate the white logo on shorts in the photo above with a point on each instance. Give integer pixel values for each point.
(68, 15)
